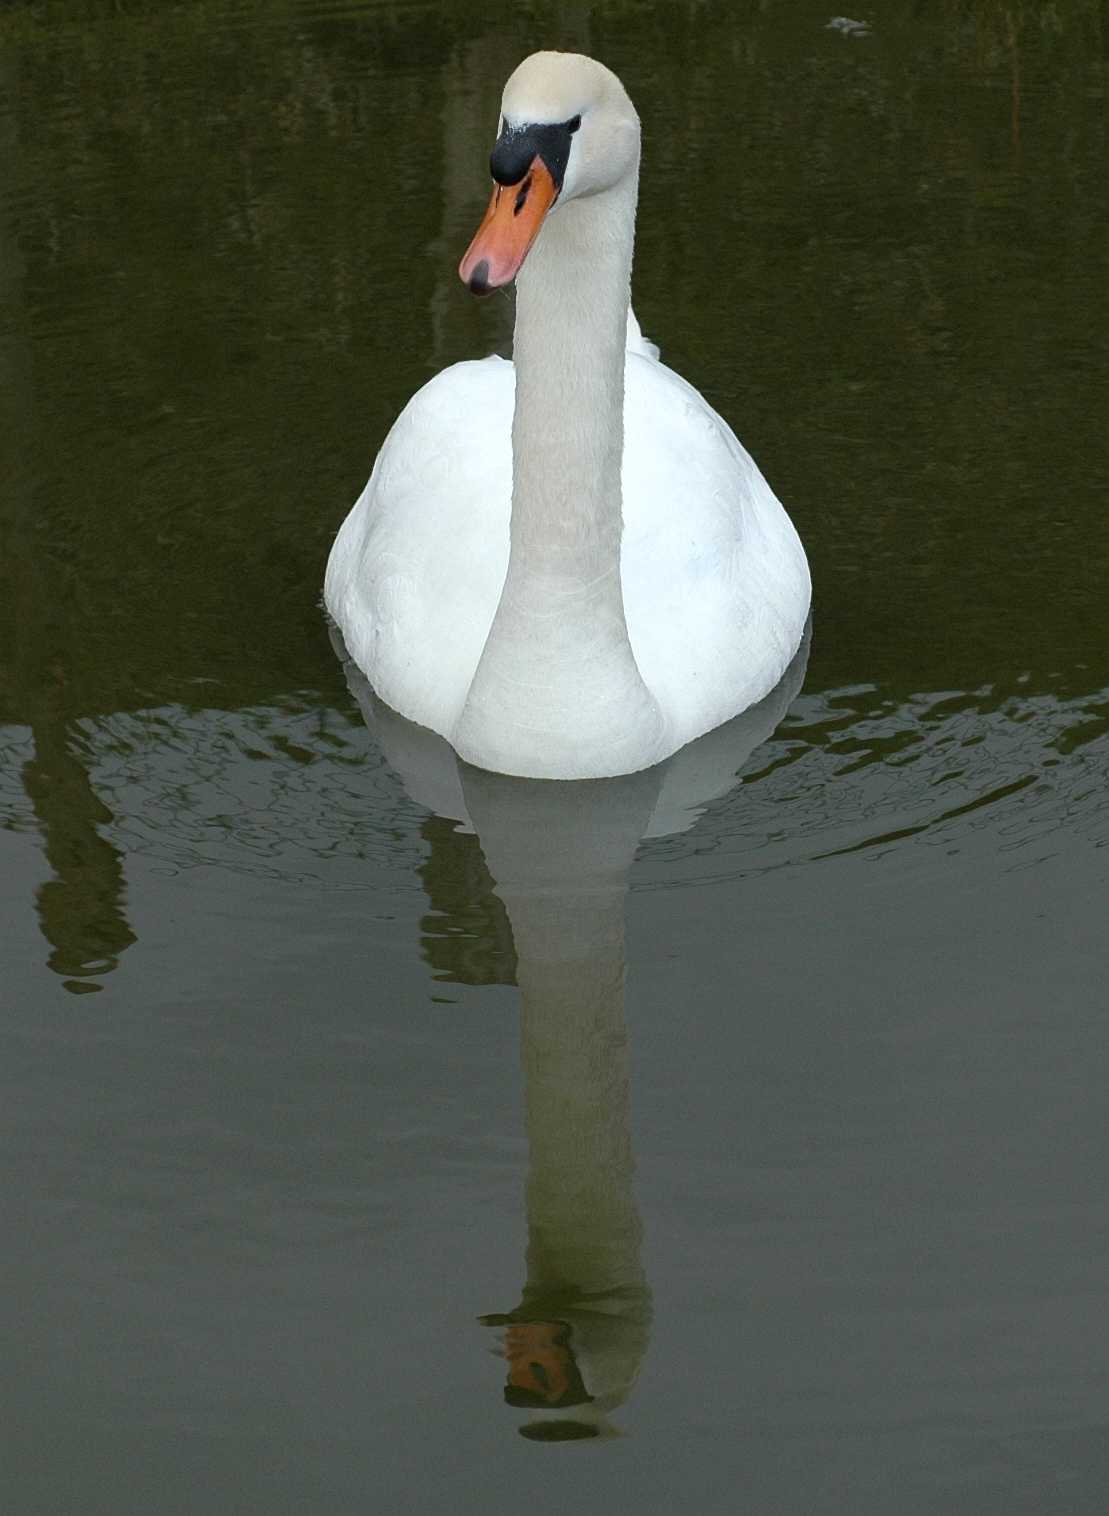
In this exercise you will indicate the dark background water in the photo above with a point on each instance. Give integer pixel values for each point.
(265, 1129)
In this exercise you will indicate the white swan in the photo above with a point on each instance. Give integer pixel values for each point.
(567, 566)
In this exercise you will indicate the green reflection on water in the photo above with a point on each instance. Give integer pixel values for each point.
(228, 234)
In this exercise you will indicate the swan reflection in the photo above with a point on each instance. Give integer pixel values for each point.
(558, 855)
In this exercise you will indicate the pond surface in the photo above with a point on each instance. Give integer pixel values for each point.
(740, 1127)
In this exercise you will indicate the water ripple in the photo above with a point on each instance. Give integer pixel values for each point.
(937, 769)
(299, 791)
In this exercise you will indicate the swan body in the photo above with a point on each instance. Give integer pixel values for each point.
(567, 566)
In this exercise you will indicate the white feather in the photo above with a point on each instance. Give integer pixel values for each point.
(607, 652)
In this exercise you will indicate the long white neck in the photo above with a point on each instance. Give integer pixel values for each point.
(557, 693)
(568, 428)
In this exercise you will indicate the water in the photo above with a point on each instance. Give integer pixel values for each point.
(805, 1214)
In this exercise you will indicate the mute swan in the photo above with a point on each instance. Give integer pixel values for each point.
(567, 565)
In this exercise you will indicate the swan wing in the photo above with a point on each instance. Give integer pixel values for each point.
(417, 568)
(716, 586)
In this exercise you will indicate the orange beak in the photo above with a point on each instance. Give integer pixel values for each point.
(510, 226)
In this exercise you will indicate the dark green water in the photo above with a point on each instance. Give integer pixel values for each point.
(278, 1125)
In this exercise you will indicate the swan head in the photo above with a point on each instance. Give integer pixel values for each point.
(567, 130)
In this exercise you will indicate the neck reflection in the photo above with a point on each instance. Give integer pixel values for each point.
(544, 879)
(560, 855)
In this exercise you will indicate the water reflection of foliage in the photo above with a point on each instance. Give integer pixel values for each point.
(465, 937)
(81, 910)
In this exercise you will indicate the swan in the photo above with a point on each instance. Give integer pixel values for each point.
(567, 566)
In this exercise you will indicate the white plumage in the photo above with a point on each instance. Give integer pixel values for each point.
(602, 651)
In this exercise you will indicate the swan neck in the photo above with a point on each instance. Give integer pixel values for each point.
(557, 693)
(568, 427)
